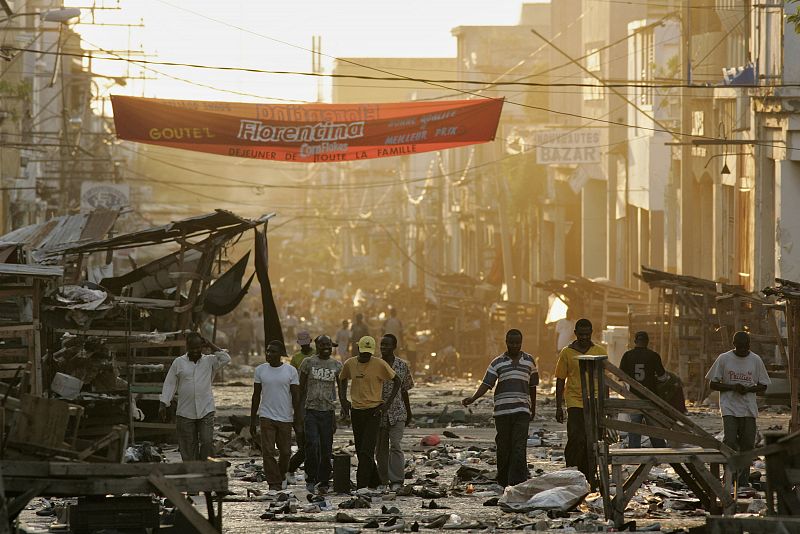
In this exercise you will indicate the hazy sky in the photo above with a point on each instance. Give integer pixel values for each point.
(371, 28)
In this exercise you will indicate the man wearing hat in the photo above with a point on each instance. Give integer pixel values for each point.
(368, 375)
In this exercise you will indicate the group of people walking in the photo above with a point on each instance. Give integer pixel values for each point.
(303, 396)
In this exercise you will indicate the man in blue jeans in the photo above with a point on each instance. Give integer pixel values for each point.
(191, 376)
(318, 376)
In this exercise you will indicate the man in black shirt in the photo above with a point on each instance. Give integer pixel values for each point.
(644, 366)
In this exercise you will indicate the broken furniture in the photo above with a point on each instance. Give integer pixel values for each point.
(48, 428)
(21, 290)
(598, 379)
(25, 480)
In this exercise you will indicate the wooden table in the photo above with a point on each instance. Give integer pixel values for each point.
(25, 480)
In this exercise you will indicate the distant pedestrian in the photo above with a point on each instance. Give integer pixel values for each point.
(565, 329)
(391, 462)
(191, 377)
(275, 405)
(568, 386)
(644, 366)
(306, 350)
(318, 376)
(359, 330)
(342, 338)
(394, 326)
(516, 377)
(739, 375)
(368, 375)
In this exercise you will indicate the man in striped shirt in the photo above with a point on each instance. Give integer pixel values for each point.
(515, 375)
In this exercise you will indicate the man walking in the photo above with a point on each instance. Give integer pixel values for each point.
(644, 366)
(368, 375)
(739, 375)
(515, 374)
(568, 385)
(274, 405)
(391, 462)
(318, 376)
(191, 376)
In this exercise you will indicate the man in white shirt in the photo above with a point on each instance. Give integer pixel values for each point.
(191, 376)
(275, 405)
(738, 375)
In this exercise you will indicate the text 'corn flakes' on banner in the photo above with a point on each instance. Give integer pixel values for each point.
(307, 133)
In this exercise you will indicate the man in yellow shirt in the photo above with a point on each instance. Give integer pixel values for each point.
(568, 385)
(368, 375)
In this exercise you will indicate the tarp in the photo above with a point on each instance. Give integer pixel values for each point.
(307, 132)
(272, 321)
(227, 292)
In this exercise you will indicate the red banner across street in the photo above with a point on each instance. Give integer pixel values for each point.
(306, 132)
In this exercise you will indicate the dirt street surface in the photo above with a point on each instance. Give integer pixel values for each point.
(434, 472)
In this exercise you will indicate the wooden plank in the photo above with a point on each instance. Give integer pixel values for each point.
(626, 405)
(663, 405)
(656, 415)
(117, 434)
(617, 502)
(16, 330)
(85, 470)
(663, 433)
(634, 481)
(694, 485)
(724, 496)
(113, 486)
(189, 512)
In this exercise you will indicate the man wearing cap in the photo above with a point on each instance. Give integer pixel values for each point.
(368, 375)
(304, 340)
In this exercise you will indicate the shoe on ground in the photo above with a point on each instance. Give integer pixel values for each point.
(321, 488)
(291, 479)
(396, 486)
(310, 487)
(276, 487)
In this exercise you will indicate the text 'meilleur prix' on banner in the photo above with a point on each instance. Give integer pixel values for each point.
(307, 133)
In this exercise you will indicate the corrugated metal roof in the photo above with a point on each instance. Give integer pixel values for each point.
(63, 231)
(38, 271)
(201, 224)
